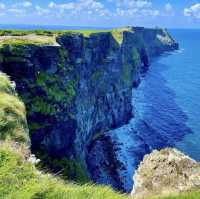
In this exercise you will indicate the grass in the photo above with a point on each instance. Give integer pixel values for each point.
(50, 35)
(116, 33)
(5, 84)
(189, 195)
(68, 169)
(24, 41)
(19, 179)
(12, 113)
(25, 32)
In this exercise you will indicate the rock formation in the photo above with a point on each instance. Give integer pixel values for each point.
(166, 172)
(81, 88)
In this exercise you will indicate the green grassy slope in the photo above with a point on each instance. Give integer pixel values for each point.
(13, 124)
(19, 179)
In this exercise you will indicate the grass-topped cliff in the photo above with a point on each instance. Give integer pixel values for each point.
(19, 177)
(76, 86)
(44, 37)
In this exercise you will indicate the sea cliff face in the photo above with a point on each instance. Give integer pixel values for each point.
(79, 89)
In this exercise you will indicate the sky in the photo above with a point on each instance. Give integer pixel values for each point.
(102, 13)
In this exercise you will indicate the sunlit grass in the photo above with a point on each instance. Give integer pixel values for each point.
(12, 113)
(48, 37)
(19, 179)
(28, 41)
(189, 195)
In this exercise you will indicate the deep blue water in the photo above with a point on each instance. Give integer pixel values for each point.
(168, 99)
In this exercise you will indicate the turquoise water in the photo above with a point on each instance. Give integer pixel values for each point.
(168, 100)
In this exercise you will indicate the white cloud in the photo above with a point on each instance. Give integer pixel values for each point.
(81, 7)
(134, 3)
(42, 11)
(169, 10)
(135, 8)
(17, 12)
(26, 4)
(90, 9)
(67, 6)
(168, 7)
(2, 6)
(193, 11)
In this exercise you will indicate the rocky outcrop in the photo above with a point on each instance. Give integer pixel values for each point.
(166, 172)
(79, 90)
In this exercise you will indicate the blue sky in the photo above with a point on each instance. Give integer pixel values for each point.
(102, 13)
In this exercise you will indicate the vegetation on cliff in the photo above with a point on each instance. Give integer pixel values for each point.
(27, 41)
(13, 124)
(48, 37)
(18, 176)
(19, 179)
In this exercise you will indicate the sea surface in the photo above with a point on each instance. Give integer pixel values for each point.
(166, 108)
(167, 102)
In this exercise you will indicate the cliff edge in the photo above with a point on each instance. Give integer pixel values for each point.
(77, 85)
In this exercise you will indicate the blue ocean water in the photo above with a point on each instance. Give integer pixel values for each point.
(167, 101)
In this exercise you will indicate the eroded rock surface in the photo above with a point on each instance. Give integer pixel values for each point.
(165, 172)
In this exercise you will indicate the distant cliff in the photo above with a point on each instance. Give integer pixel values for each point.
(78, 88)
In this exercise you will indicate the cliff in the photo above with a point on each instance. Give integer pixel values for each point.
(166, 172)
(19, 177)
(76, 89)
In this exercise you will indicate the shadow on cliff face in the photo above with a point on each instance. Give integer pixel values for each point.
(158, 122)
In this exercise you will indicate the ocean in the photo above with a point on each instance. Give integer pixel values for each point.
(167, 102)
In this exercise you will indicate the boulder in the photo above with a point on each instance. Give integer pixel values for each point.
(165, 172)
